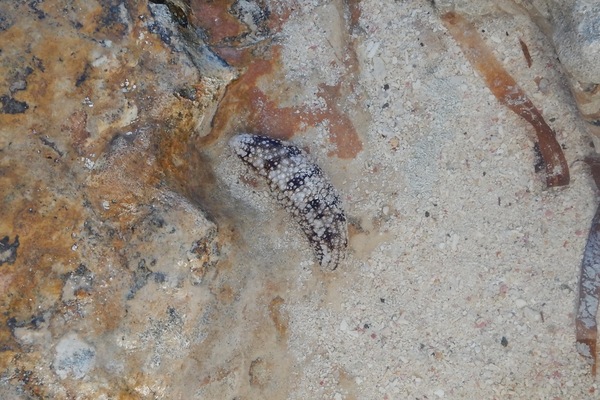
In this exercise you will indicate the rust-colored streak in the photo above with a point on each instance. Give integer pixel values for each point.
(279, 316)
(587, 337)
(594, 164)
(341, 129)
(506, 90)
(354, 13)
(215, 19)
(246, 107)
(35, 283)
(253, 103)
(225, 30)
(267, 118)
(526, 54)
(237, 102)
(76, 127)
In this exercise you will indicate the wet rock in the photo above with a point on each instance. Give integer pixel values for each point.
(576, 36)
(92, 231)
(73, 357)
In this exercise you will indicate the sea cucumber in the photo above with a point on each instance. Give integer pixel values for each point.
(301, 187)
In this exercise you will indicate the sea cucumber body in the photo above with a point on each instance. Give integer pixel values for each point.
(301, 187)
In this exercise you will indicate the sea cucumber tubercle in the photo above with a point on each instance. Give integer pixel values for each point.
(301, 187)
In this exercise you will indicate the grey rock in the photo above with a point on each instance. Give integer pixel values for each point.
(576, 37)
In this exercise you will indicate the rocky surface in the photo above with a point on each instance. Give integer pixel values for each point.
(576, 36)
(140, 259)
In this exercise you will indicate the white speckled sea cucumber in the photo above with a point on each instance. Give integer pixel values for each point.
(300, 185)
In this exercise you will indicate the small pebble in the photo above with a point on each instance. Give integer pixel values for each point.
(531, 314)
(343, 325)
(520, 303)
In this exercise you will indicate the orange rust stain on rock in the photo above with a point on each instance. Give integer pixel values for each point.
(237, 104)
(122, 189)
(265, 117)
(109, 311)
(9, 344)
(279, 316)
(341, 129)
(355, 12)
(246, 107)
(224, 29)
(234, 57)
(252, 102)
(76, 127)
(44, 254)
(178, 156)
(215, 19)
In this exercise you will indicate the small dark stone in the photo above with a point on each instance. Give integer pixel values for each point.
(12, 106)
(11, 323)
(157, 221)
(34, 7)
(84, 75)
(164, 33)
(187, 92)
(386, 86)
(381, 299)
(81, 270)
(539, 163)
(159, 277)
(140, 278)
(37, 321)
(8, 251)
(427, 214)
(504, 341)
(5, 23)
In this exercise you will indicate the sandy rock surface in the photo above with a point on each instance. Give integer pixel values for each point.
(142, 259)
